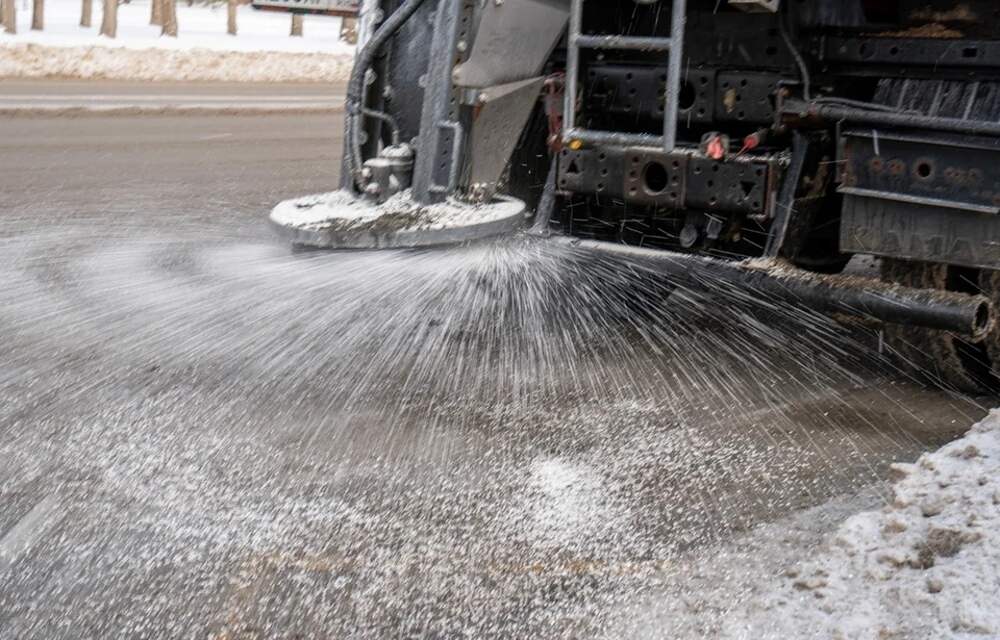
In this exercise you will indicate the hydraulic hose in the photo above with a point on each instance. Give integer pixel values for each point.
(356, 86)
(831, 112)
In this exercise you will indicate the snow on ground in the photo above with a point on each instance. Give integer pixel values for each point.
(37, 61)
(199, 27)
(262, 51)
(926, 565)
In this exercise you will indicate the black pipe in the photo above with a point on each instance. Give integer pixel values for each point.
(355, 98)
(840, 113)
(969, 315)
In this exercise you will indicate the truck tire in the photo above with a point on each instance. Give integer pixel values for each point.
(941, 357)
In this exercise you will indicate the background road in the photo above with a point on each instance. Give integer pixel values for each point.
(203, 434)
(46, 96)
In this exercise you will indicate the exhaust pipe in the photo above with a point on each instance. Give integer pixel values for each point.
(856, 296)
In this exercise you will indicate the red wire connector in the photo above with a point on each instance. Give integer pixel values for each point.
(715, 145)
(753, 141)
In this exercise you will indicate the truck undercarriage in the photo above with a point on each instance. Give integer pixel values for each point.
(800, 133)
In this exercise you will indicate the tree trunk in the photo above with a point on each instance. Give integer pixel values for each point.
(38, 15)
(169, 18)
(9, 16)
(231, 7)
(297, 24)
(109, 22)
(349, 30)
(156, 13)
(86, 12)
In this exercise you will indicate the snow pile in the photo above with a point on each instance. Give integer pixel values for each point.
(36, 61)
(925, 566)
(262, 50)
(199, 27)
(342, 211)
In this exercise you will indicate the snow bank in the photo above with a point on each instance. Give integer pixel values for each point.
(263, 51)
(37, 61)
(925, 566)
(199, 27)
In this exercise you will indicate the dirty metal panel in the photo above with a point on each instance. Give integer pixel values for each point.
(639, 93)
(960, 173)
(592, 171)
(907, 51)
(745, 97)
(631, 91)
(656, 178)
(737, 186)
(677, 180)
(756, 6)
(920, 232)
(499, 119)
(737, 40)
(697, 96)
(514, 39)
(681, 180)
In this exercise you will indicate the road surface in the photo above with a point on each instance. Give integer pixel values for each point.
(76, 96)
(203, 434)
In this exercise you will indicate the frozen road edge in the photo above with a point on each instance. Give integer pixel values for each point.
(926, 565)
(923, 566)
(25, 60)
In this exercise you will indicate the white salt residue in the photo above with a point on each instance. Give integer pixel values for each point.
(28, 530)
(315, 211)
(567, 502)
(344, 211)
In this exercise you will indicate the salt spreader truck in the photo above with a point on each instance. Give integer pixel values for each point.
(758, 142)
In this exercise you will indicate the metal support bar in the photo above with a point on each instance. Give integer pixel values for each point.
(614, 138)
(457, 140)
(572, 68)
(624, 43)
(798, 109)
(921, 200)
(672, 96)
(784, 208)
(970, 315)
(437, 97)
(674, 44)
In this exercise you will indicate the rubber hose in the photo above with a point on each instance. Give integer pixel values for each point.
(356, 84)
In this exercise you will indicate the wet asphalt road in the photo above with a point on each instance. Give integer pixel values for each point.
(69, 97)
(204, 435)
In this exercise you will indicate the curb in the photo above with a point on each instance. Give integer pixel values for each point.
(140, 110)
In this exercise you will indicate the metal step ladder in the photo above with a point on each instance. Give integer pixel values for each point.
(674, 45)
